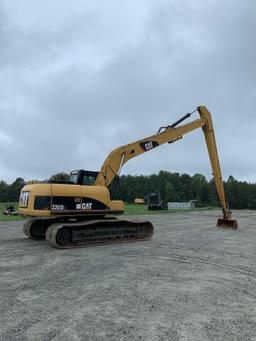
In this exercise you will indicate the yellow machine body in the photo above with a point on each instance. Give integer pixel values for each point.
(45, 200)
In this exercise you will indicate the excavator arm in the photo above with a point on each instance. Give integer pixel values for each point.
(119, 156)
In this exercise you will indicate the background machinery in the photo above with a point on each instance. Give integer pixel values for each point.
(76, 212)
(139, 201)
(155, 201)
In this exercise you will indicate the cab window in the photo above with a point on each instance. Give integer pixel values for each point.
(88, 180)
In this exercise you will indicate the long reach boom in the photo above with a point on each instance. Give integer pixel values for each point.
(119, 156)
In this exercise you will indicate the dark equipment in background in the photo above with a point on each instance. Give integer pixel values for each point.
(155, 201)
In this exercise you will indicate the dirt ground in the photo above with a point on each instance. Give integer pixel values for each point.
(192, 281)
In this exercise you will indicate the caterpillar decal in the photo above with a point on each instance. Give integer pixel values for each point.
(148, 145)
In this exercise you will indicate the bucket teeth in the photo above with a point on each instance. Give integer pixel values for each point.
(227, 223)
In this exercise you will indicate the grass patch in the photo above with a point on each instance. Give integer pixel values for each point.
(133, 209)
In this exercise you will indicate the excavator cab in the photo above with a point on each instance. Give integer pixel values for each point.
(83, 177)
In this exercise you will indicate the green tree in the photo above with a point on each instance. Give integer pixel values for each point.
(60, 176)
(4, 195)
(14, 189)
(169, 192)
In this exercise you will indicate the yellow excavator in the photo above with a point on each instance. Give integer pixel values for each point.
(75, 212)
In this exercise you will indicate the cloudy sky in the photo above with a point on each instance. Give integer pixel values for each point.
(79, 78)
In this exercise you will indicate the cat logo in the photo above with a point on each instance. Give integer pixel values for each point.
(84, 206)
(148, 145)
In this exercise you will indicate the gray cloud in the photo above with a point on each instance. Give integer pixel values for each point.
(79, 79)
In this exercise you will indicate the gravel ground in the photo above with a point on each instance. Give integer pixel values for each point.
(192, 281)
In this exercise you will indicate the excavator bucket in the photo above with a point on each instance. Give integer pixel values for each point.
(227, 223)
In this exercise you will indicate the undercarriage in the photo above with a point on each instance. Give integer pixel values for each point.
(67, 232)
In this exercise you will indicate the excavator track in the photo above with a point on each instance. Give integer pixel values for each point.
(35, 228)
(97, 232)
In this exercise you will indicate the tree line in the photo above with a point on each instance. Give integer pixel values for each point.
(183, 187)
(172, 186)
(11, 192)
